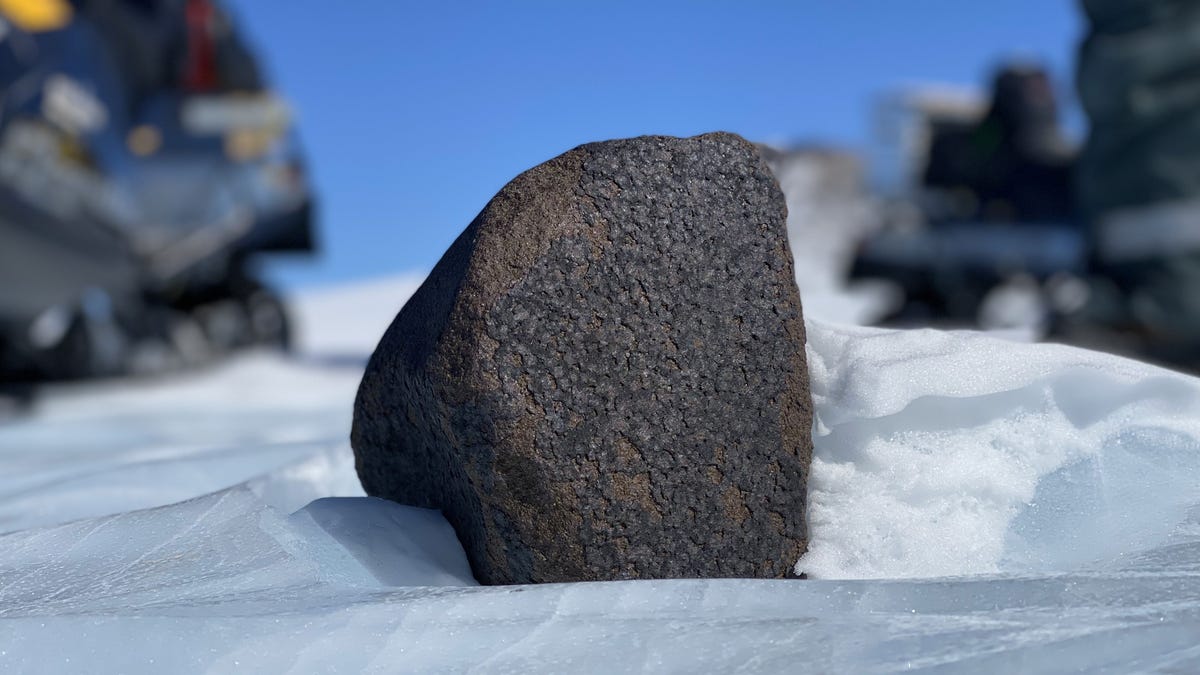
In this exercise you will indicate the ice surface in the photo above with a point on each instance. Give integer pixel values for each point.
(1049, 497)
(224, 583)
(101, 449)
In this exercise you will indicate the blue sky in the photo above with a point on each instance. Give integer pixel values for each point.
(416, 113)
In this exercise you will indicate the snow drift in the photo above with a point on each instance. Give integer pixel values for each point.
(959, 453)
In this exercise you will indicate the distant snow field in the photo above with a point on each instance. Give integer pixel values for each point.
(974, 504)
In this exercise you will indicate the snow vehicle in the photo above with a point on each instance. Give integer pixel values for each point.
(144, 166)
(990, 187)
(1005, 236)
(1137, 180)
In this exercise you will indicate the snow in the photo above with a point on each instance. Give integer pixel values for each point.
(829, 213)
(397, 545)
(97, 450)
(975, 504)
(959, 453)
(347, 321)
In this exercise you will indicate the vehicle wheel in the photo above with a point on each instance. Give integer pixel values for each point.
(268, 318)
(88, 349)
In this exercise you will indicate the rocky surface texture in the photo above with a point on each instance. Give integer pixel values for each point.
(604, 377)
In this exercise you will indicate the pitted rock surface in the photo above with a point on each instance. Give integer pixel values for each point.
(604, 376)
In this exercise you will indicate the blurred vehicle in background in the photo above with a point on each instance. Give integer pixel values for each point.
(1000, 223)
(1138, 78)
(983, 230)
(144, 164)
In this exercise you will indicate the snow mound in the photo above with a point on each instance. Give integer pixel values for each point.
(398, 545)
(958, 453)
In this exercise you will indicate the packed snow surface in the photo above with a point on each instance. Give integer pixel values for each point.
(975, 504)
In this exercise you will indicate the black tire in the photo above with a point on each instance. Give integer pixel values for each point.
(268, 319)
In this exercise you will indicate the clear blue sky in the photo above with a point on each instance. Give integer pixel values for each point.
(416, 113)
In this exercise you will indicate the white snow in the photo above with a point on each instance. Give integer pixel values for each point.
(102, 449)
(975, 504)
(829, 214)
(348, 320)
(959, 453)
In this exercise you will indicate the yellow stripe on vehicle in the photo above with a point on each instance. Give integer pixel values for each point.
(36, 16)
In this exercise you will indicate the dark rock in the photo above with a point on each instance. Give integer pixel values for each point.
(604, 377)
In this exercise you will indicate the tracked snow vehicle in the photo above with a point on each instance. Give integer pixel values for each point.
(144, 165)
(990, 184)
